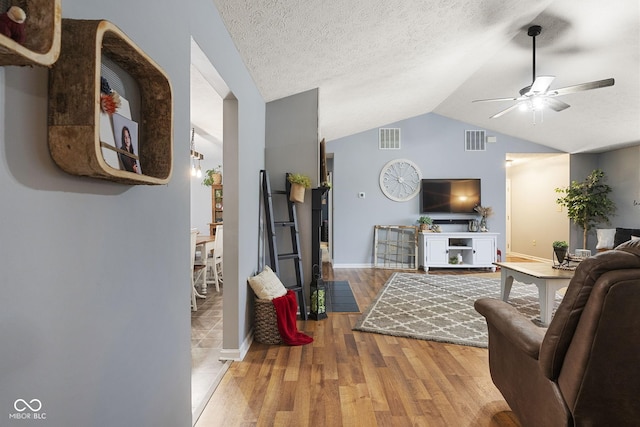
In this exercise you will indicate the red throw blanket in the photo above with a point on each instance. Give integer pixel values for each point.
(286, 312)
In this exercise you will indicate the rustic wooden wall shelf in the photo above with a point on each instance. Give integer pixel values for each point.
(42, 28)
(74, 104)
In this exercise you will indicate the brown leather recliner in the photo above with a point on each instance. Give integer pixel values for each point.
(584, 370)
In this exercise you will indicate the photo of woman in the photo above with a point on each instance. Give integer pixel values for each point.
(126, 132)
(129, 163)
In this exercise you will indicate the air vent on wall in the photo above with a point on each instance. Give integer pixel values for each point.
(389, 139)
(475, 140)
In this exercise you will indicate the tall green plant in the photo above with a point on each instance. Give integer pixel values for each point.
(587, 202)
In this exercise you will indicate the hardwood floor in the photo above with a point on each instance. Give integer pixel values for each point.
(350, 378)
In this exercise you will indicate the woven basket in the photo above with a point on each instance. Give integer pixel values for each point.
(265, 330)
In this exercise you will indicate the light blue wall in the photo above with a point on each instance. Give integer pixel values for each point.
(242, 164)
(436, 145)
(95, 288)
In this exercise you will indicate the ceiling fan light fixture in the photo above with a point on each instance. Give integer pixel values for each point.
(537, 103)
(538, 95)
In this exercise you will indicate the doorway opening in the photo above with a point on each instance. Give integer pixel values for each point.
(214, 121)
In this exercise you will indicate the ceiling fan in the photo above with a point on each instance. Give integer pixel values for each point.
(538, 95)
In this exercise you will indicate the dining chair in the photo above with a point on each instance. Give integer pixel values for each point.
(197, 270)
(214, 262)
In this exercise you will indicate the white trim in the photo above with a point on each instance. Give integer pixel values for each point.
(352, 266)
(236, 354)
(531, 257)
(197, 412)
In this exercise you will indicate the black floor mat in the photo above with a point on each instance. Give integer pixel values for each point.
(340, 298)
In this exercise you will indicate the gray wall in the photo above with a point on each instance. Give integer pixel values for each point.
(292, 146)
(623, 175)
(580, 166)
(94, 302)
(436, 145)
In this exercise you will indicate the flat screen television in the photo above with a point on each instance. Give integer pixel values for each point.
(450, 195)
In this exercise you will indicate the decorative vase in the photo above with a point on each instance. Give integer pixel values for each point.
(561, 253)
(424, 227)
(483, 224)
(296, 194)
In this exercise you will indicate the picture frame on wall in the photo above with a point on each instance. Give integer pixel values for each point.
(126, 138)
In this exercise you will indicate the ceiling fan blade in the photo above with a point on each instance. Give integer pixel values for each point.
(581, 87)
(505, 111)
(556, 104)
(541, 84)
(495, 99)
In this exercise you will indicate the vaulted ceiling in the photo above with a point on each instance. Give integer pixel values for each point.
(376, 62)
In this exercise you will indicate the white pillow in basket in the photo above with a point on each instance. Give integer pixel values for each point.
(267, 285)
(605, 238)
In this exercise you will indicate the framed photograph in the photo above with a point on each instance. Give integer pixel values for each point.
(126, 138)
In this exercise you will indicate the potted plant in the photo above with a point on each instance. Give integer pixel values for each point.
(425, 223)
(587, 202)
(298, 184)
(560, 248)
(213, 176)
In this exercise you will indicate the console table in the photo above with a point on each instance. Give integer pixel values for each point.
(441, 250)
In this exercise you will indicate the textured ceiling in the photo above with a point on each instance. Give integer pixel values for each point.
(376, 62)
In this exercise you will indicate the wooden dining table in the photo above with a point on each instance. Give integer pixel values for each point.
(204, 243)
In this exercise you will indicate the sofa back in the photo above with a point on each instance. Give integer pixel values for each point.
(595, 333)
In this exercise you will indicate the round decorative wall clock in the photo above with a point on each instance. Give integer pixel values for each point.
(400, 180)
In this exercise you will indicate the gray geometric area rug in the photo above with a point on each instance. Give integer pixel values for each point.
(440, 307)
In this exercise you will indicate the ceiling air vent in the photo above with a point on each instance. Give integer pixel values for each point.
(475, 140)
(389, 139)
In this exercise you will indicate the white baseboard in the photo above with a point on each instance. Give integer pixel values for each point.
(237, 354)
(352, 266)
(531, 257)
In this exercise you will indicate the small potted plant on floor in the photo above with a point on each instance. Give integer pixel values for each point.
(425, 223)
(560, 248)
(299, 183)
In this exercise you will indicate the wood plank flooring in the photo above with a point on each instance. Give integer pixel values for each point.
(349, 378)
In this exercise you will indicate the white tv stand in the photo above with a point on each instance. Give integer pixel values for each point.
(437, 250)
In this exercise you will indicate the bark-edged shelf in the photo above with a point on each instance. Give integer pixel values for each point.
(74, 104)
(42, 28)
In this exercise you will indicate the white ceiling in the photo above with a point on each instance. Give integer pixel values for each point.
(207, 91)
(376, 62)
